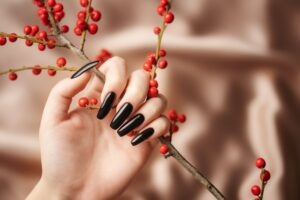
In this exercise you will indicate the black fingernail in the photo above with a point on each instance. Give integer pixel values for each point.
(131, 124)
(142, 136)
(84, 69)
(106, 105)
(121, 115)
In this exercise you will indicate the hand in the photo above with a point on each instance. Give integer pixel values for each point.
(82, 156)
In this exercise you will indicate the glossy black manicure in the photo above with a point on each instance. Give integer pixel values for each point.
(142, 136)
(106, 105)
(131, 124)
(84, 69)
(121, 116)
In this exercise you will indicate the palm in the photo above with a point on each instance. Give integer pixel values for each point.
(87, 154)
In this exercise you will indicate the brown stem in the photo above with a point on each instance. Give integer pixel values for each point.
(263, 184)
(86, 21)
(172, 150)
(33, 39)
(41, 67)
(192, 169)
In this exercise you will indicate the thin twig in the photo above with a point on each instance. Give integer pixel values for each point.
(32, 39)
(263, 184)
(193, 170)
(172, 150)
(86, 21)
(40, 67)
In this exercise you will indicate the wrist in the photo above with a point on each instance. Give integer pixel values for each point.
(42, 190)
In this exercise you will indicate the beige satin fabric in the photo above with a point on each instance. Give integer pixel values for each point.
(233, 70)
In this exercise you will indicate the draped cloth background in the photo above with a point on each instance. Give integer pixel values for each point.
(234, 69)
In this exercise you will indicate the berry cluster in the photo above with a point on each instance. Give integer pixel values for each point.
(84, 102)
(56, 8)
(81, 24)
(36, 70)
(264, 177)
(174, 119)
(156, 60)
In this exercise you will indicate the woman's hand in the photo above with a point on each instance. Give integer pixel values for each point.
(82, 156)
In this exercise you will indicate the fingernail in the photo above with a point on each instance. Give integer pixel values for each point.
(142, 136)
(131, 124)
(84, 69)
(106, 105)
(121, 115)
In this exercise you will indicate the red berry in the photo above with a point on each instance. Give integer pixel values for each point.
(34, 29)
(36, 71)
(164, 2)
(58, 16)
(77, 31)
(83, 102)
(260, 163)
(174, 128)
(51, 72)
(42, 11)
(153, 83)
(64, 28)
(162, 53)
(147, 66)
(131, 134)
(84, 3)
(164, 149)
(161, 10)
(94, 101)
(151, 56)
(153, 92)
(2, 40)
(156, 30)
(61, 62)
(172, 114)
(169, 17)
(12, 37)
(51, 3)
(42, 35)
(27, 30)
(58, 7)
(255, 189)
(162, 64)
(95, 15)
(44, 16)
(28, 43)
(39, 3)
(12, 76)
(93, 28)
(81, 24)
(81, 14)
(181, 118)
(50, 46)
(41, 47)
(267, 175)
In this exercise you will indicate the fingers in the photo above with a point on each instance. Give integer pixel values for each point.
(60, 98)
(115, 71)
(134, 96)
(151, 110)
(155, 129)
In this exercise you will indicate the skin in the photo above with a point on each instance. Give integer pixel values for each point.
(82, 157)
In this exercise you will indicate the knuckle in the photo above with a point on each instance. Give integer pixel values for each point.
(165, 123)
(142, 74)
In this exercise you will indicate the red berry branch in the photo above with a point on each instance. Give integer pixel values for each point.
(264, 177)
